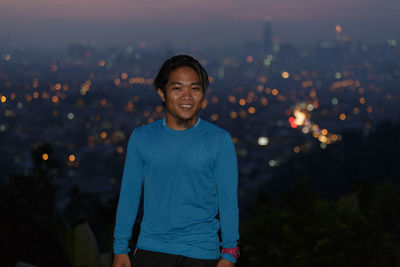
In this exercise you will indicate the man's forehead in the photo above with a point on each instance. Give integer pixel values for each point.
(184, 75)
(176, 82)
(184, 70)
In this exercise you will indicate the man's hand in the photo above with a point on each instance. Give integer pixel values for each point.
(122, 260)
(225, 263)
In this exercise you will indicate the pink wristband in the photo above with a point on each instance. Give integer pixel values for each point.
(234, 251)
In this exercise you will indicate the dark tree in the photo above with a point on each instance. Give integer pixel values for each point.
(27, 204)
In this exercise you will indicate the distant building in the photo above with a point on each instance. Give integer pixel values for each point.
(252, 48)
(80, 51)
(268, 43)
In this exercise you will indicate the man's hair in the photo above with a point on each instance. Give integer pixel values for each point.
(176, 62)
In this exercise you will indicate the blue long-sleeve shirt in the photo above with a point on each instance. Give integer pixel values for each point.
(189, 176)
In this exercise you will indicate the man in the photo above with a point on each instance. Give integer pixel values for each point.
(189, 170)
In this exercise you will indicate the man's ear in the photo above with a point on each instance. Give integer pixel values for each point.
(161, 94)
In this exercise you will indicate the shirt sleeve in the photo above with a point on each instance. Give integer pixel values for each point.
(129, 197)
(227, 190)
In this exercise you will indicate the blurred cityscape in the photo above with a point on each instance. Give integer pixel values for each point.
(78, 107)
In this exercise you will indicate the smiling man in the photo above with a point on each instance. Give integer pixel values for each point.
(189, 171)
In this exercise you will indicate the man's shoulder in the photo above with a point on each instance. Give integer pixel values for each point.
(145, 129)
(217, 138)
(149, 126)
(214, 129)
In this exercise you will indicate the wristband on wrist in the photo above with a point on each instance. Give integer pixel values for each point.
(235, 252)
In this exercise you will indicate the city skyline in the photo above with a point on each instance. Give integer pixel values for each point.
(323, 121)
(190, 23)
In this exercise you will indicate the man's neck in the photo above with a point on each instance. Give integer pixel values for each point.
(180, 124)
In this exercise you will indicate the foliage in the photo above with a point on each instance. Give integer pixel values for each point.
(28, 227)
(33, 231)
(301, 229)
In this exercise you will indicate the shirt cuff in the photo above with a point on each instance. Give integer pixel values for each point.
(126, 251)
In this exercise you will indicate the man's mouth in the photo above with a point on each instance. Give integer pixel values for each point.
(186, 106)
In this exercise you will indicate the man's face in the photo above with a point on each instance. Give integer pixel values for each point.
(184, 95)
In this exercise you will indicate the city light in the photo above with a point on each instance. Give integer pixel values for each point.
(71, 158)
(214, 117)
(301, 118)
(264, 101)
(263, 141)
(272, 163)
(124, 76)
(392, 42)
(159, 108)
(285, 75)
(263, 79)
(232, 98)
(338, 29)
(252, 110)
(301, 98)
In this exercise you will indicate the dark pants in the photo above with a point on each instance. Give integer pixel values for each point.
(145, 258)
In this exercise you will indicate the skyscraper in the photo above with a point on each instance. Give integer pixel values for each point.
(268, 44)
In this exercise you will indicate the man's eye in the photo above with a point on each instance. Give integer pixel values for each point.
(176, 88)
(195, 88)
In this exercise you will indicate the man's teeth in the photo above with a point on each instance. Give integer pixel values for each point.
(186, 106)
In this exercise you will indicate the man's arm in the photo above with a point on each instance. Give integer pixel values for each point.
(129, 197)
(227, 185)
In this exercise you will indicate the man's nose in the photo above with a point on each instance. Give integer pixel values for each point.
(186, 93)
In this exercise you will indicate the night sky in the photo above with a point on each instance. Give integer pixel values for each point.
(194, 22)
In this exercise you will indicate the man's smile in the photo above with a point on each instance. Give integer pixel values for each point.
(186, 106)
